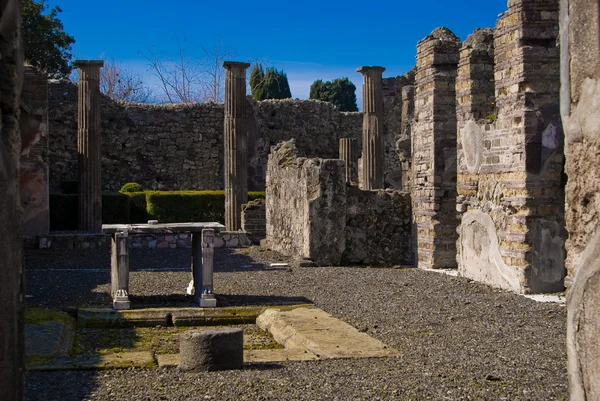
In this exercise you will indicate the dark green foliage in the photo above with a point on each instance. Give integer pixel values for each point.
(131, 187)
(269, 84)
(46, 45)
(139, 207)
(116, 208)
(341, 92)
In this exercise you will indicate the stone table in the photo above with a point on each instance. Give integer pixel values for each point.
(201, 286)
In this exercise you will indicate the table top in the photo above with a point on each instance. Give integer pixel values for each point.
(160, 228)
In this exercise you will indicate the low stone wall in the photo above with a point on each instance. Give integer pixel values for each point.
(223, 239)
(254, 220)
(312, 214)
(378, 227)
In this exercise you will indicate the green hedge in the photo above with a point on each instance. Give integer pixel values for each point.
(139, 207)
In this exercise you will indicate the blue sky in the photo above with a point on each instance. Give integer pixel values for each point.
(308, 39)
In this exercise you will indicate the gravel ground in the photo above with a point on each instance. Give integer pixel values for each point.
(458, 340)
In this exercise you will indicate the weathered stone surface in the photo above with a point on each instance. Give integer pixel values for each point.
(580, 108)
(306, 205)
(254, 220)
(209, 350)
(88, 146)
(434, 149)
(236, 143)
(12, 347)
(372, 133)
(33, 175)
(378, 228)
(509, 152)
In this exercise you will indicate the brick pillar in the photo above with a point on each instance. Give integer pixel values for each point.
(434, 150)
(349, 154)
(372, 156)
(88, 145)
(236, 143)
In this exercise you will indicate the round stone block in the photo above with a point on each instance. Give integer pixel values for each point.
(215, 349)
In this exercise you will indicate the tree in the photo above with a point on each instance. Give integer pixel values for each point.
(119, 83)
(268, 83)
(46, 45)
(183, 79)
(341, 92)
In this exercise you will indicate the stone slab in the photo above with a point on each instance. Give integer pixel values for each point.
(48, 339)
(320, 333)
(121, 360)
(181, 316)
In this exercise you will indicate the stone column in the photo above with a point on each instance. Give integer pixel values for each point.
(372, 157)
(349, 154)
(236, 144)
(88, 145)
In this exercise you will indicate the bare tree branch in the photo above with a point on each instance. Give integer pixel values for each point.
(120, 83)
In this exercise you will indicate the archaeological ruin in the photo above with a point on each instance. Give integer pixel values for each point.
(483, 160)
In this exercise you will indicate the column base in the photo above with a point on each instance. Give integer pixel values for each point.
(121, 300)
(208, 301)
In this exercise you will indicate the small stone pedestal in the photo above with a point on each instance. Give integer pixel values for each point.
(209, 350)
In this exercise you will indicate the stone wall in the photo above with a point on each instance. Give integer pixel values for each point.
(304, 199)
(580, 91)
(312, 214)
(510, 152)
(181, 146)
(33, 174)
(378, 228)
(254, 220)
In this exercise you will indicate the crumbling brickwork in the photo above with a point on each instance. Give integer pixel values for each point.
(434, 150)
(510, 152)
(254, 220)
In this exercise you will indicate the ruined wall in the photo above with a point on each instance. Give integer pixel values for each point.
(158, 146)
(33, 174)
(378, 228)
(305, 205)
(317, 127)
(397, 145)
(510, 152)
(311, 213)
(434, 150)
(181, 146)
(254, 220)
(580, 91)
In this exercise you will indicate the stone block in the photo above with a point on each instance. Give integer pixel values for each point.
(210, 350)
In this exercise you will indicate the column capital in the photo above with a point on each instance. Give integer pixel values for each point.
(235, 65)
(81, 64)
(366, 69)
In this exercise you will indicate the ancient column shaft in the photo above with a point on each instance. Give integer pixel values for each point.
(88, 145)
(349, 154)
(372, 156)
(236, 144)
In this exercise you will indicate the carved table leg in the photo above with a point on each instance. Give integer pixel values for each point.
(207, 298)
(120, 271)
(196, 266)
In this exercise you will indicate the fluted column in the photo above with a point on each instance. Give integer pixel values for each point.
(349, 154)
(236, 144)
(372, 153)
(88, 145)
